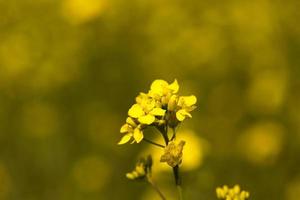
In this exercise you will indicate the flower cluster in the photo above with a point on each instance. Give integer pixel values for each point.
(173, 153)
(160, 106)
(142, 169)
(234, 193)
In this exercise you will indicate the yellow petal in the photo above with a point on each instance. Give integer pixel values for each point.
(158, 85)
(182, 114)
(131, 122)
(158, 112)
(141, 97)
(125, 139)
(191, 100)
(174, 86)
(125, 128)
(130, 176)
(147, 119)
(138, 135)
(149, 105)
(187, 101)
(135, 111)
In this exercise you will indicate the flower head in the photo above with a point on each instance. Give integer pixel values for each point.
(131, 129)
(160, 106)
(186, 104)
(145, 110)
(162, 89)
(142, 169)
(173, 153)
(234, 193)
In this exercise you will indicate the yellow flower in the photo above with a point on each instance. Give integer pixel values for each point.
(138, 172)
(186, 104)
(234, 193)
(159, 107)
(142, 169)
(173, 153)
(131, 130)
(160, 88)
(145, 111)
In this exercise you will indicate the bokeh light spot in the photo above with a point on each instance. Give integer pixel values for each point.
(39, 120)
(5, 182)
(262, 142)
(91, 173)
(81, 11)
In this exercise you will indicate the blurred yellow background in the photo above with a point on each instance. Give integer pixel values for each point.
(70, 69)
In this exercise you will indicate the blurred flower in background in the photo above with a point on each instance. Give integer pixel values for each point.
(81, 11)
(5, 182)
(91, 173)
(293, 190)
(262, 142)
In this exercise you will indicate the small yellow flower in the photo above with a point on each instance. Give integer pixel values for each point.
(160, 88)
(186, 105)
(142, 169)
(131, 130)
(138, 172)
(161, 91)
(173, 153)
(145, 109)
(234, 193)
(160, 106)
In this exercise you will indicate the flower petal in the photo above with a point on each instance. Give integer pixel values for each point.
(147, 119)
(158, 112)
(138, 135)
(158, 86)
(125, 128)
(125, 139)
(187, 101)
(149, 104)
(141, 97)
(136, 111)
(190, 100)
(182, 114)
(174, 86)
(131, 122)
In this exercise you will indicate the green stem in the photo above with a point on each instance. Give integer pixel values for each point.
(174, 134)
(156, 188)
(154, 143)
(176, 175)
(177, 181)
(164, 132)
(179, 189)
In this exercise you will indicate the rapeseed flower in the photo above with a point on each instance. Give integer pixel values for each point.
(160, 106)
(131, 130)
(145, 110)
(142, 169)
(186, 104)
(162, 90)
(234, 193)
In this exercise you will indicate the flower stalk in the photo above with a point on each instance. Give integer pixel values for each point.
(162, 108)
(154, 143)
(156, 188)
